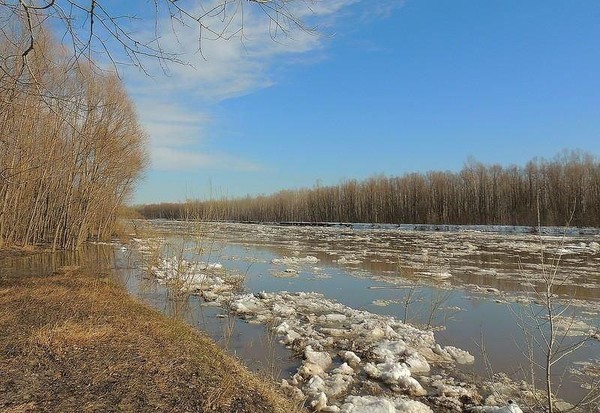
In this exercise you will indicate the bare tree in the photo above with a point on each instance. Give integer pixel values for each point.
(70, 144)
(71, 150)
(478, 194)
(93, 29)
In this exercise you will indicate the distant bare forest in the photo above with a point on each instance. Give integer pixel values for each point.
(565, 190)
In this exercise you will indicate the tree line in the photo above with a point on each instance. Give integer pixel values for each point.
(70, 145)
(560, 191)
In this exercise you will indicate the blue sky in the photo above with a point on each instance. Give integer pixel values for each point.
(389, 88)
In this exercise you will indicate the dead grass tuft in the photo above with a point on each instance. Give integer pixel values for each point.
(23, 408)
(70, 334)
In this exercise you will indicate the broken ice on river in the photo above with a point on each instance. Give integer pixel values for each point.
(354, 360)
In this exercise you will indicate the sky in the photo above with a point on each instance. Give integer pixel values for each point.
(388, 87)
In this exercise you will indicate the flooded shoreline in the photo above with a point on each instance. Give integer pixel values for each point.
(463, 287)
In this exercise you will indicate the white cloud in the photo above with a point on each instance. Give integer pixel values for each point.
(382, 9)
(171, 159)
(225, 69)
(171, 124)
(231, 66)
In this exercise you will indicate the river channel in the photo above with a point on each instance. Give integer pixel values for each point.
(471, 285)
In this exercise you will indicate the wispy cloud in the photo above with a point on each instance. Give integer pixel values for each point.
(172, 159)
(175, 109)
(382, 9)
(170, 123)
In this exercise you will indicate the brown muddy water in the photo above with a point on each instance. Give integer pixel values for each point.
(469, 284)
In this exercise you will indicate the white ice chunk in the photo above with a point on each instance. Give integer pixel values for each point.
(338, 384)
(367, 404)
(412, 406)
(442, 274)
(350, 357)
(389, 350)
(320, 358)
(449, 390)
(344, 368)
(246, 303)
(417, 363)
(315, 385)
(349, 259)
(373, 404)
(311, 369)
(282, 328)
(319, 402)
(295, 260)
(291, 336)
(461, 356)
(511, 407)
(332, 318)
(413, 386)
(283, 310)
(376, 333)
(388, 372)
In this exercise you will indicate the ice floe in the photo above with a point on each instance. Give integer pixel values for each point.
(377, 360)
(371, 404)
(309, 259)
(511, 407)
(190, 276)
(363, 346)
(345, 351)
(341, 347)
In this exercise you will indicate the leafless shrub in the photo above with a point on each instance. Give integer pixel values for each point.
(549, 323)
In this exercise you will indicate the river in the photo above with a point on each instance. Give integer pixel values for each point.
(473, 286)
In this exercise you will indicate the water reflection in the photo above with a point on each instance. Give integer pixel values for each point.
(253, 344)
(96, 258)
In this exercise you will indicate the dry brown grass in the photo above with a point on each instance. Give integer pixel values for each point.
(75, 342)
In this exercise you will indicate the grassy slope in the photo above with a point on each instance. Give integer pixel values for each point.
(78, 342)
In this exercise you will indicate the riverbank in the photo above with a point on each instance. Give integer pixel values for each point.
(76, 341)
